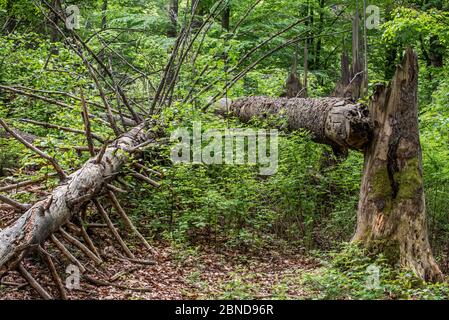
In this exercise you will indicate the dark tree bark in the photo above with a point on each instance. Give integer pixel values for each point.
(436, 52)
(293, 87)
(356, 84)
(173, 11)
(341, 88)
(226, 17)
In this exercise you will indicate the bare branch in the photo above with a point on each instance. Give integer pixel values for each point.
(33, 283)
(128, 221)
(19, 206)
(111, 227)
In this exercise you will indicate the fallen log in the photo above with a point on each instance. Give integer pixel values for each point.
(337, 122)
(391, 213)
(49, 214)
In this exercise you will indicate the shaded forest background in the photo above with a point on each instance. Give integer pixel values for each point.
(309, 206)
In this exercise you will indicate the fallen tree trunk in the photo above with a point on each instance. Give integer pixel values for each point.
(391, 217)
(337, 122)
(48, 215)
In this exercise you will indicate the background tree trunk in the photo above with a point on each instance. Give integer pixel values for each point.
(226, 17)
(391, 213)
(173, 11)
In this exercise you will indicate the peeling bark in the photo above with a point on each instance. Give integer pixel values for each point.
(391, 212)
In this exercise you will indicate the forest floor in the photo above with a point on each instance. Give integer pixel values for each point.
(182, 274)
(203, 272)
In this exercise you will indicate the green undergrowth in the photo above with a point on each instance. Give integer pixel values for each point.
(351, 273)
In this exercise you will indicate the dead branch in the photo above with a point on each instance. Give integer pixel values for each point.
(33, 283)
(128, 221)
(88, 132)
(111, 227)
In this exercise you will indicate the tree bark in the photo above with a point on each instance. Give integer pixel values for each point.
(173, 10)
(337, 122)
(11, 21)
(391, 213)
(49, 214)
(104, 16)
(226, 17)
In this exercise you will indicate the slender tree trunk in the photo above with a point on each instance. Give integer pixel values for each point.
(173, 11)
(293, 86)
(317, 63)
(104, 17)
